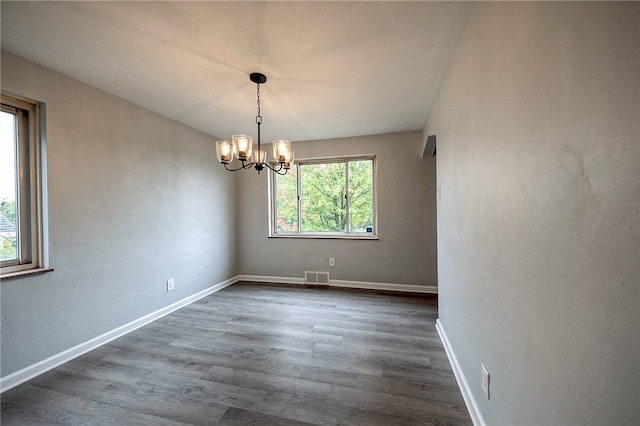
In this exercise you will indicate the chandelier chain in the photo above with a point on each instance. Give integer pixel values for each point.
(258, 117)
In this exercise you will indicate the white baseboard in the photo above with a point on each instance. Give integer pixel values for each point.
(472, 406)
(348, 284)
(274, 280)
(14, 379)
(409, 288)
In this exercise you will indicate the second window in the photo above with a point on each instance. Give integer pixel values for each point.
(325, 198)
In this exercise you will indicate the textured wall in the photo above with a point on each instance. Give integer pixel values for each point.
(134, 199)
(406, 250)
(538, 225)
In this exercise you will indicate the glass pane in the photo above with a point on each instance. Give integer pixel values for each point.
(361, 196)
(322, 197)
(8, 188)
(287, 202)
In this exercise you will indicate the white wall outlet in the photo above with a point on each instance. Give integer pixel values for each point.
(439, 191)
(485, 381)
(332, 261)
(170, 284)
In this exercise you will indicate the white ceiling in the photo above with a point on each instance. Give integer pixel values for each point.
(334, 69)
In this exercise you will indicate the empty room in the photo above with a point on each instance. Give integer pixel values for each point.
(320, 213)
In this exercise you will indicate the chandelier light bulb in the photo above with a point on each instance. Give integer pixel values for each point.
(288, 162)
(242, 146)
(281, 150)
(224, 151)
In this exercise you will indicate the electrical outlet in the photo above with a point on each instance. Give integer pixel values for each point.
(170, 284)
(332, 261)
(485, 381)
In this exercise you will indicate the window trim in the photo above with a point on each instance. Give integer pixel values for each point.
(34, 253)
(324, 235)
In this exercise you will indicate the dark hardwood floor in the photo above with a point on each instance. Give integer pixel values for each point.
(258, 354)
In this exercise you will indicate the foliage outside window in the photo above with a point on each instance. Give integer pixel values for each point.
(331, 198)
(21, 209)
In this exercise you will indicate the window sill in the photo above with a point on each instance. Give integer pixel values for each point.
(327, 236)
(26, 272)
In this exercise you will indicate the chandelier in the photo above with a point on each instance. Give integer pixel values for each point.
(241, 146)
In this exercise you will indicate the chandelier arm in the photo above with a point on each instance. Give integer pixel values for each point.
(243, 167)
(278, 170)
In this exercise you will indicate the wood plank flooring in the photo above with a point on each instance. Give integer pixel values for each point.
(259, 354)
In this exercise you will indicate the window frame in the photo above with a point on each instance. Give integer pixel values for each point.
(31, 224)
(272, 188)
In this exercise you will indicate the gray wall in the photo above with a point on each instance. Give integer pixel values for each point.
(538, 225)
(134, 199)
(406, 250)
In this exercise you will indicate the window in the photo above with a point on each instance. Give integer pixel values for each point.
(22, 233)
(325, 198)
